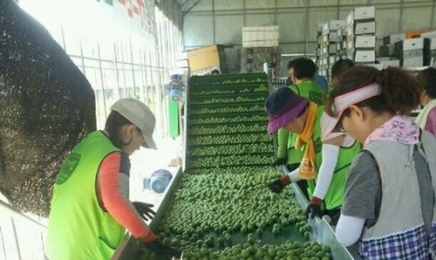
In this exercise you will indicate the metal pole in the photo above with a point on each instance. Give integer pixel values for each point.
(432, 15)
(337, 9)
(213, 20)
(13, 212)
(17, 244)
(243, 9)
(400, 22)
(63, 39)
(101, 78)
(3, 243)
(143, 76)
(82, 59)
(275, 13)
(133, 65)
(306, 34)
(123, 70)
(116, 70)
(270, 10)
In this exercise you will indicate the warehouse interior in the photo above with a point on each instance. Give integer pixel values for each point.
(205, 68)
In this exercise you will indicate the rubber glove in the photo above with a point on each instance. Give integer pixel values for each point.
(279, 161)
(162, 250)
(144, 209)
(314, 208)
(278, 185)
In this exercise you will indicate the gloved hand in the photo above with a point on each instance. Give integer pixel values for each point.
(279, 161)
(278, 185)
(162, 250)
(314, 208)
(144, 209)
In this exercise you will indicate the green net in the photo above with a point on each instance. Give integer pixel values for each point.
(46, 107)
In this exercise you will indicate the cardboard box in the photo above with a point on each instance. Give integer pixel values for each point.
(332, 60)
(206, 57)
(389, 62)
(365, 28)
(387, 50)
(362, 42)
(377, 66)
(413, 62)
(262, 36)
(415, 33)
(429, 35)
(331, 37)
(361, 13)
(332, 25)
(393, 38)
(433, 44)
(364, 56)
(412, 44)
(413, 53)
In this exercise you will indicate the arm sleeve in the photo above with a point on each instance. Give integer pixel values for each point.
(293, 176)
(362, 188)
(330, 154)
(431, 122)
(113, 181)
(282, 143)
(349, 229)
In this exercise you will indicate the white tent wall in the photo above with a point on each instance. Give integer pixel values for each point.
(221, 21)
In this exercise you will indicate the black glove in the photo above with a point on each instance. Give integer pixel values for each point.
(278, 185)
(279, 161)
(314, 208)
(144, 209)
(162, 250)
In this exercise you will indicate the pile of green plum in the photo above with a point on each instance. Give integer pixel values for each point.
(231, 149)
(224, 110)
(229, 139)
(228, 100)
(231, 214)
(222, 161)
(227, 129)
(226, 120)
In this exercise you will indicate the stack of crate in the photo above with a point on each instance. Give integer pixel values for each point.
(413, 52)
(328, 46)
(386, 51)
(341, 45)
(360, 32)
(432, 52)
(253, 59)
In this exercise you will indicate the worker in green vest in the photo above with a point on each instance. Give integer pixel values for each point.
(325, 160)
(90, 209)
(302, 72)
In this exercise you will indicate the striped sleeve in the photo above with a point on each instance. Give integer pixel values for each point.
(113, 191)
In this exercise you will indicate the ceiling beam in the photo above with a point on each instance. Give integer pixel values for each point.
(188, 5)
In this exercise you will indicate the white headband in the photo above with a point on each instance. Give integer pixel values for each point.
(344, 101)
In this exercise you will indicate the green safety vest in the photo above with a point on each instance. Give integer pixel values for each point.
(335, 193)
(77, 227)
(286, 141)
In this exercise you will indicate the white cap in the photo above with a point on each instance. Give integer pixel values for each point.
(140, 115)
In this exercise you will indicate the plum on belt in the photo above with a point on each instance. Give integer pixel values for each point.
(212, 209)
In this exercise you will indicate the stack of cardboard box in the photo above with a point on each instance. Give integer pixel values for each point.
(328, 46)
(360, 30)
